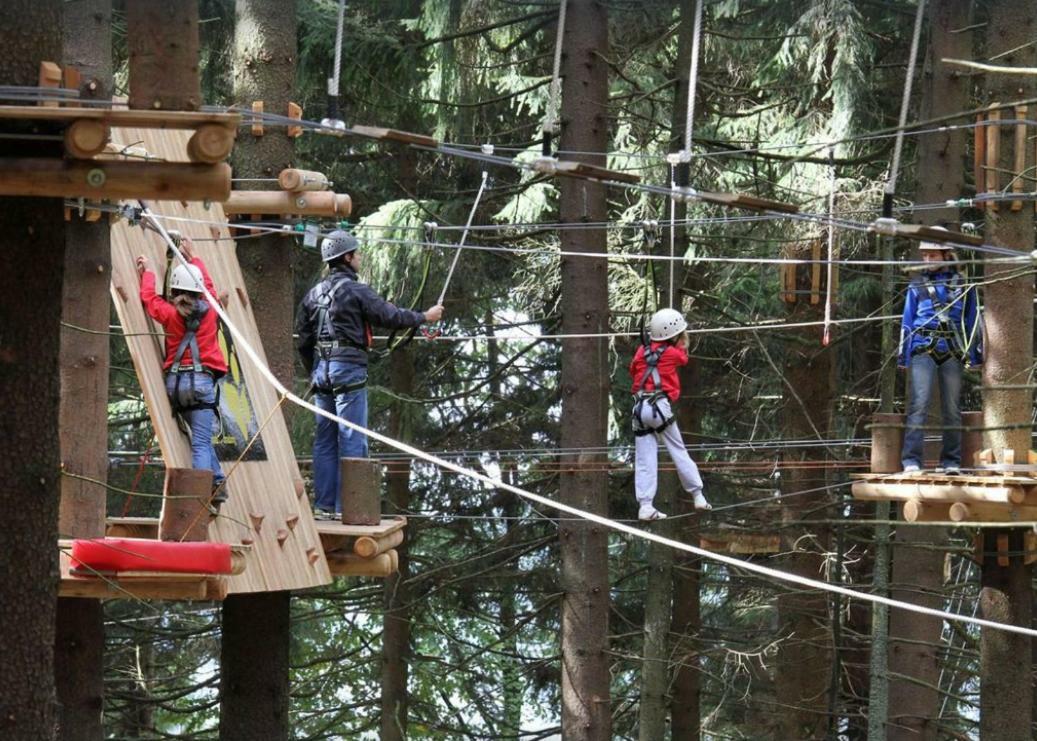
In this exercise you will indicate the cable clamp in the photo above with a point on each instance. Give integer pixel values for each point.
(885, 225)
(546, 165)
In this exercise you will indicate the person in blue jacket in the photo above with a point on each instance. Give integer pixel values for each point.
(941, 335)
(334, 332)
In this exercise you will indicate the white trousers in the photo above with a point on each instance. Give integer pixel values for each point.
(646, 455)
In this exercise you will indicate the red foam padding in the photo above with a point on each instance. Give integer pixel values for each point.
(129, 554)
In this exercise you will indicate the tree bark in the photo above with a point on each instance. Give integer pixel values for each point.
(805, 651)
(83, 424)
(584, 546)
(396, 631)
(254, 680)
(1006, 694)
(32, 252)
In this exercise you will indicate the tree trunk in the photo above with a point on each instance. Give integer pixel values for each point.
(584, 382)
(254, 680)
(805, 651)
(396, 631)
(1006, 693)
(254, 655)
(918, 552)
(32, 257)
(264, 69)
(79, 642)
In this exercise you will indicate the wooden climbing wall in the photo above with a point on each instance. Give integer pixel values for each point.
(267, 507)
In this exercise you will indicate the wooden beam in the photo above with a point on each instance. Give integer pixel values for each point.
(348, 564)
(404, 137)
(273, 202)
(162, 39)
(815, 272)
(257, 123)
(1019, 171)
(924, 233)
(121, 117)
(85, 138)
(934, 492)
(993, 152)
(113, 179)
(369, 547)
(746, 201)
(292, 179)
(211, 143)
(294, 111)
(593, 172)
(336, 536)
(979, 154)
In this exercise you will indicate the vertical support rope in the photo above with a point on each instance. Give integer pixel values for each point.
(898, 146)
(333, 80)
(826, 335)
(464, 236)
(693, 76)
(551, 120)
(673, 225)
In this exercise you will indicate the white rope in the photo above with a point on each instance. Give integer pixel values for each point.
(565, 508)
(550, 122)
(826, 336)
(464, 236)
(333, 81)
(673, 229)
(693, 77)
(898, 146)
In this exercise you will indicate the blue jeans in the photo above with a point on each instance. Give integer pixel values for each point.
(924, 375)
(201, 421)
(333, 441)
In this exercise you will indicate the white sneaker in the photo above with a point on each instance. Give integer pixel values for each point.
(701, 503)
(912, 468)
(648, 512)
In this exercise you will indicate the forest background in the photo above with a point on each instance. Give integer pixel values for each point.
(795, 101)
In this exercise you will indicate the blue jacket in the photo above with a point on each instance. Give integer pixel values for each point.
(354, 308)
(960, 310)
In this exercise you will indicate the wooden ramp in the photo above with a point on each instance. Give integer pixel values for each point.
(935, 497)
(267, 507)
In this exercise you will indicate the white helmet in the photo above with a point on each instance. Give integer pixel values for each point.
(186, 278)
(665, 324)
(935, 246)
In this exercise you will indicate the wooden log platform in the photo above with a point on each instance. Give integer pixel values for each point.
(144, 119)
(335, 536)
(740, 542)
(937, 497)
(141, 584)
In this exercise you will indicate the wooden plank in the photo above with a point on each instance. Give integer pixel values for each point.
(934, 492)
(123, 117)
(926, 233)
(1019, 171)
(294, 111)
(337, 536)
(979, 154)
(593, 172)
(993, 153)
(815, 273)
(113, 179)
(257, 123)
(50, 77)
(281, 203)
(265, 481)
(746, 201)
(404, 137)
(1002, 549)
(740, 543)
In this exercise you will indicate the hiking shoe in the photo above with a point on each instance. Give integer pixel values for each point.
(912, 468)
(701, 503)
(648, 513)
(325, 514)
(952, 470)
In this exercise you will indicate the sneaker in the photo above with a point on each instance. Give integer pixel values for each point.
(952, 470)
(912, 468)
(648, 512)
(701, 503)
(325, 514)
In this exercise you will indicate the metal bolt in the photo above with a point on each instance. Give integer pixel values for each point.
(95, 178)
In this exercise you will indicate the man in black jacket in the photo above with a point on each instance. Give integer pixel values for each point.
(334, 328)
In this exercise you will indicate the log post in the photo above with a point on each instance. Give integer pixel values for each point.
(211, 143)
(295, 180)
(360, 491)
(86, 137)
(887, 441)
(971, 437)
(185, 501)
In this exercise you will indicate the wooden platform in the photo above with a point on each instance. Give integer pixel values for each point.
(140, 584)
(936, 497)
(350, 550)
(121, 116)
(267, 506)
(740, 542)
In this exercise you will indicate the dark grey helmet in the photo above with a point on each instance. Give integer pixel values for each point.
(336, 244)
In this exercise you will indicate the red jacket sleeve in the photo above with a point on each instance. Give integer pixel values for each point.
(156, 307)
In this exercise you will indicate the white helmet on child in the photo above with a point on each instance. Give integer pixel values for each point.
(665, 324)
(186, 278)
(926, 246)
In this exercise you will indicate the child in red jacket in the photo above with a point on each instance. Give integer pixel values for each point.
(194, 362)
(656, 386)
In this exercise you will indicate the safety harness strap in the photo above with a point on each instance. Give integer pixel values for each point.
(641, 396)
(344, 388)
(949, 330)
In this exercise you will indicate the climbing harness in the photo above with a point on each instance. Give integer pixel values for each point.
(954, 333)
(326, 339)
(185, 399)
(643, 396)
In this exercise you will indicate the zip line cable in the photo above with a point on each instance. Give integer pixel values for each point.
(648, 535)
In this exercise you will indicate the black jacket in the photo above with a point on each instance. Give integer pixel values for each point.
(355, 308)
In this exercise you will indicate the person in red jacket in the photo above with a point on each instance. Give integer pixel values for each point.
(194, 362)
(656, 386)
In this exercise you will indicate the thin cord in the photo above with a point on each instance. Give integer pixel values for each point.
(464, 236)
(826, 334)
(693, 76)
(551, 121)
(898, 146)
